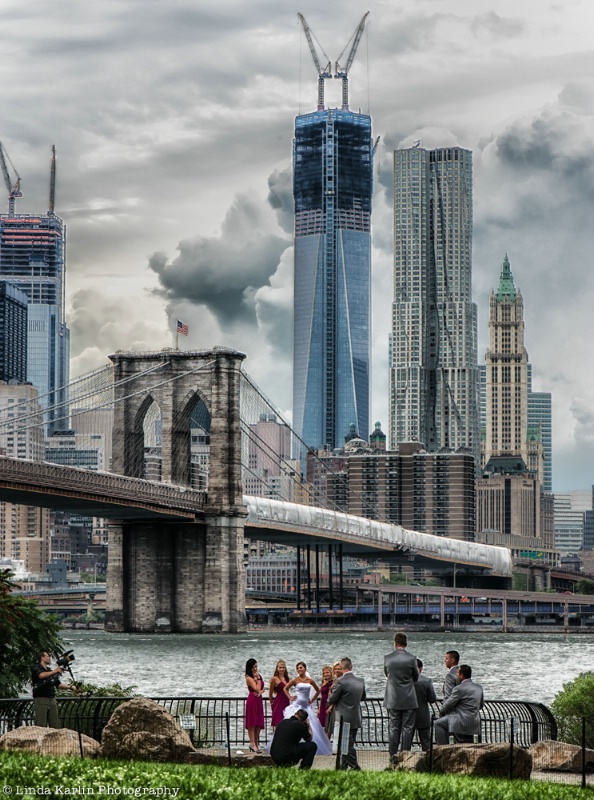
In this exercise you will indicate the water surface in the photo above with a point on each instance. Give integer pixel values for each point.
(509, 667)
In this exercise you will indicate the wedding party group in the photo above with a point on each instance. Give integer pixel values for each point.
(304, 713)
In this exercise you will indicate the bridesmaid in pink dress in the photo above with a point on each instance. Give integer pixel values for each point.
(254, 705)
(324, 692)
(278, 699)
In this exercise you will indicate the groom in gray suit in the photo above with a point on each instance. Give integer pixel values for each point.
(346, 695)
(400, 698)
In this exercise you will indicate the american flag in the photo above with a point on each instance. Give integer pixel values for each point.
(182, 328)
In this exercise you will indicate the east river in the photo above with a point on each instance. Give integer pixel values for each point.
(509, 667)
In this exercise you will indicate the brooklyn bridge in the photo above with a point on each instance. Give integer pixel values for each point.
(176, 550)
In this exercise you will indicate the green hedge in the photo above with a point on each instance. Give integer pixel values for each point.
(52, 777)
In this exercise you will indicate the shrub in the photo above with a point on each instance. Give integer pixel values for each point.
(575, 701)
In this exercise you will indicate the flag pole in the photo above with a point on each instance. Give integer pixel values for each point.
(176, 337)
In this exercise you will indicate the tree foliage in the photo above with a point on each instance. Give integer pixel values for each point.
(25, 630)
(574, 702)
(585, 586)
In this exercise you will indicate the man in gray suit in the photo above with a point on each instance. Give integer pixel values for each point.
(425, 695)
(400, 698)
(460, 712)
(451, 660)
(346, 696)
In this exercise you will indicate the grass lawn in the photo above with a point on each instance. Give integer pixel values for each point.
(25, 775)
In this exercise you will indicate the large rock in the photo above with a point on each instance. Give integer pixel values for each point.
(143, 730)
(482, 760)
(559, 756)
(48, 742)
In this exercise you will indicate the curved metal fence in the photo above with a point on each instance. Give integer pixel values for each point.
(205, 719)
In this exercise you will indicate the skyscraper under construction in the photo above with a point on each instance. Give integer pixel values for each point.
(33, 258)
(332, 186)
(433, 369)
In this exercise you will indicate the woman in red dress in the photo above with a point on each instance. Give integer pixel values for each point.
(278, 699)
(327, 682)
(254, 706)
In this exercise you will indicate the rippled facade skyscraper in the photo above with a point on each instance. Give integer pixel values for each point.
(332, 186)
(434, 379)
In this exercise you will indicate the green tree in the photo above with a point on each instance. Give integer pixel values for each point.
(25, 631)
(574, 702)
(585, 586)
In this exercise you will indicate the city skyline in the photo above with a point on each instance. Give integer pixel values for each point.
(185, 140)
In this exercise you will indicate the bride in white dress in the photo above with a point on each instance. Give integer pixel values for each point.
(301, 700)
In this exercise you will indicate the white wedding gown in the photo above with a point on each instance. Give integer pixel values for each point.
(301, 700)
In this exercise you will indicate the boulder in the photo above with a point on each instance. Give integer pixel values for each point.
(48, 742)
(553, 756)
(481, 760)
(142, 730)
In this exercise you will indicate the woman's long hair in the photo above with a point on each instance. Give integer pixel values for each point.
(249, 665)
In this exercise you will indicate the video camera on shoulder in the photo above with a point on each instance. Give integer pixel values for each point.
(65, 660)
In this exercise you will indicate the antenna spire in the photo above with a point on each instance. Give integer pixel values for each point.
(52, 189)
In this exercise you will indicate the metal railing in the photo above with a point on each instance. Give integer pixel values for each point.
(219, 721)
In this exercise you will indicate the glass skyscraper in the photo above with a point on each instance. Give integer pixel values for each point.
(13, 334)
(434, 377)
(332, 185)
(32, 258)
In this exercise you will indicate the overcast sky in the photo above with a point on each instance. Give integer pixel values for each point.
(173, 124)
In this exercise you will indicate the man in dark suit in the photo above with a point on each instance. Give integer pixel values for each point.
(452, 657)
(292, 743)
(460, 712)
(425, 694)
(400, 698)
(346, 696)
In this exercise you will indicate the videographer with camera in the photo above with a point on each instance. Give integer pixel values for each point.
(45, 682)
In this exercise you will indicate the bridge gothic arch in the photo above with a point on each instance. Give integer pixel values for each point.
(182, 576)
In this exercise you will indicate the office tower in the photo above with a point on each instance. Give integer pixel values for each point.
(570, 519)
(506, 364)
(332, 186)
(24, 530)
(540, 417)
(270, 472)
(13, 334)
(540, 421)
(433, 370)
(32, 257)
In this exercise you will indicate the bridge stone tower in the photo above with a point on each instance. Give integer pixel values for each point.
(182, 575)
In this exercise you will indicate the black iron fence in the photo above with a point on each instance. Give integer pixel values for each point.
(216, 725)
(205, 719)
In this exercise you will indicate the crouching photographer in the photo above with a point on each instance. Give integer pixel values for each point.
(45, 681)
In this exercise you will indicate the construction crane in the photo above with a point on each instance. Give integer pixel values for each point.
(14, 191)
(344, 72)
(52, 189)
(323, 73)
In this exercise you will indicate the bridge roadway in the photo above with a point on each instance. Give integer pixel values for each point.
(114, 496)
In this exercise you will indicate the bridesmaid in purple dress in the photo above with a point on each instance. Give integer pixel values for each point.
(254, 705)
(324, 692)
(278, 699)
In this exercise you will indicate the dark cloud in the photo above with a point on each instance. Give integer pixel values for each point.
(280, 197)
(223, 272)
